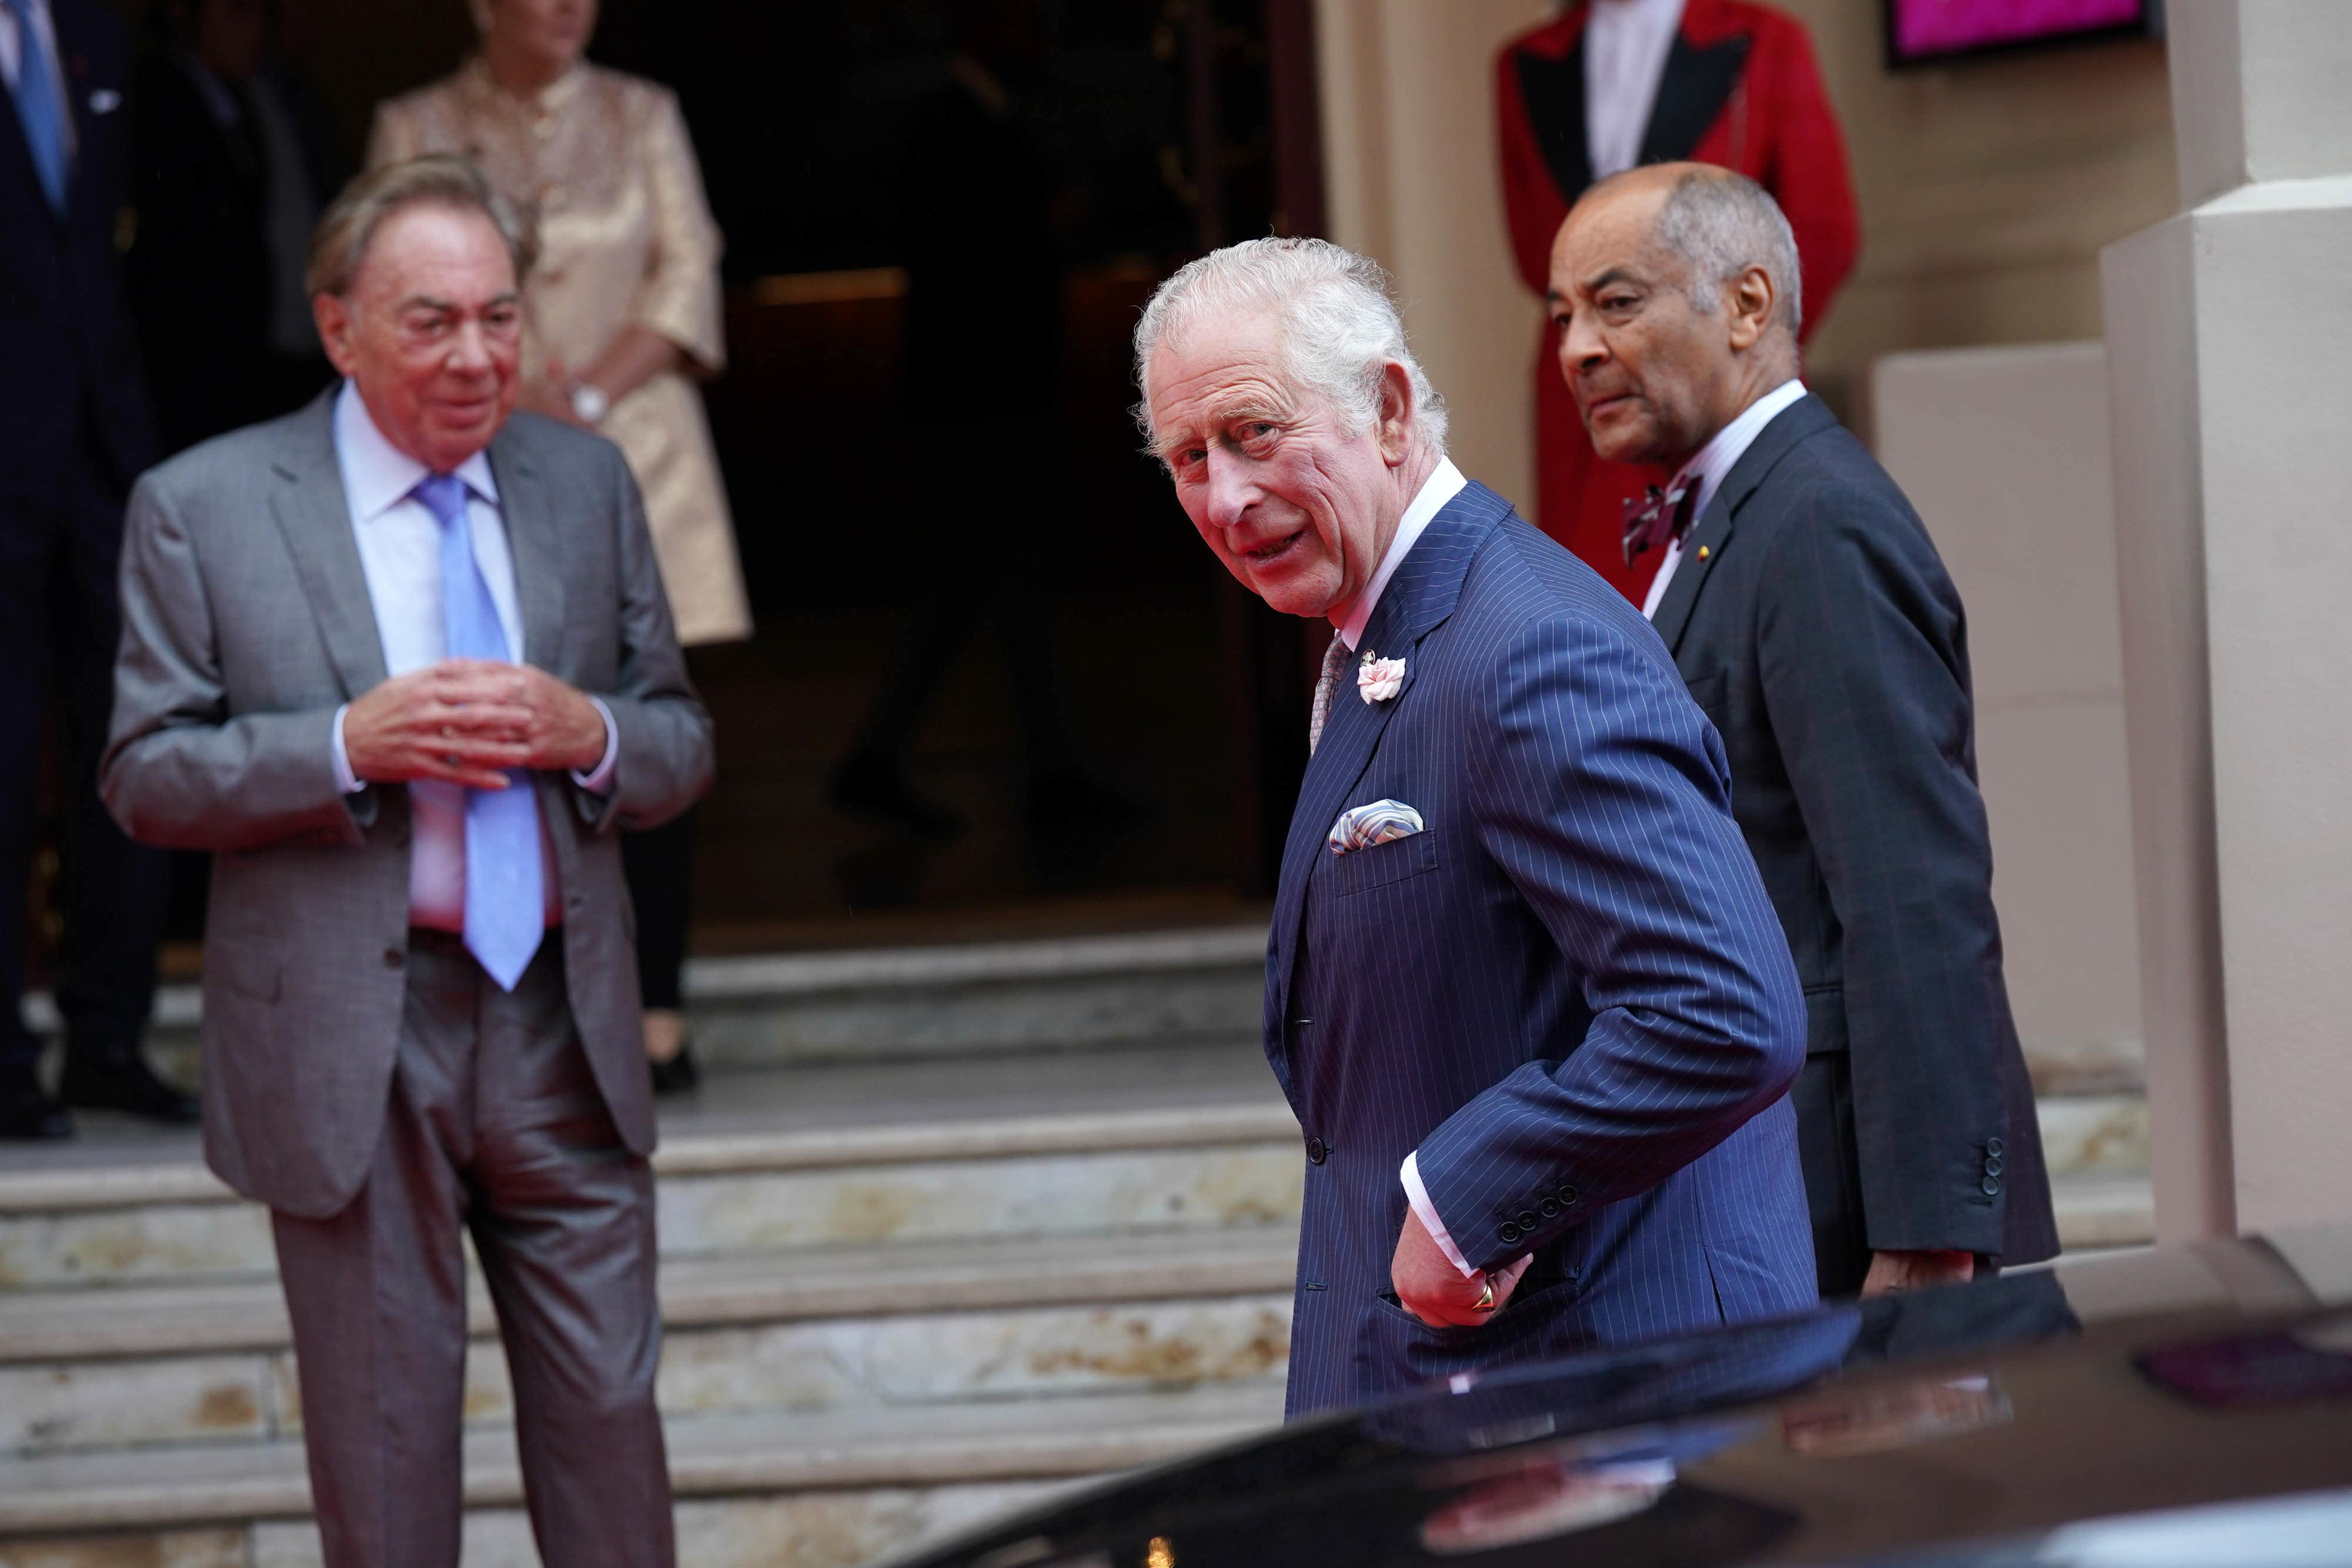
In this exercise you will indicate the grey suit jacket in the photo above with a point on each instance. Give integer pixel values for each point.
(245, 624)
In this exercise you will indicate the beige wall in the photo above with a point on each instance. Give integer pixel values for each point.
(1986, 189)
(1408, 148)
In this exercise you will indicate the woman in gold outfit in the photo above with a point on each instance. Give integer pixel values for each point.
(623, 309)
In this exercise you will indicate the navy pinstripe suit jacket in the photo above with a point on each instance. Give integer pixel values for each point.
(1569, 992)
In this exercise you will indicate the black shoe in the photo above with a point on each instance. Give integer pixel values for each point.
(869, 785)
(26, 1113)
(678, 1075)
(127, 1084)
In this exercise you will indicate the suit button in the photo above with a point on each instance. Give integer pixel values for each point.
(1567, 1193)
(1527, 1220)
(1509, 1232)
(1992, 1165)
(1992, 1188)
(394, 957)
(1995, 1147)
(1549, 1209)
(1318, 1151)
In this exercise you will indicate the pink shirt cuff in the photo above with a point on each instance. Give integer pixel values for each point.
(1418, 1195)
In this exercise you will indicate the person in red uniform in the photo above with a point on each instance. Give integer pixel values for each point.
(1614, 83)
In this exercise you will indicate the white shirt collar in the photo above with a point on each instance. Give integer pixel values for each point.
(378, 476)
(1719, 456)
(1444, 483)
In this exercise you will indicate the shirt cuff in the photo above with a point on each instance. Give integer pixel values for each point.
(598, 780)
(1418, 1195)
(349, 783)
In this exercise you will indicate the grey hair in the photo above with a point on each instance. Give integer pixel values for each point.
(340, 243)
(1338, 318)
(1723, 224)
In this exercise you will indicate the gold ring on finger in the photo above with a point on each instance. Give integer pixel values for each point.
(1486, 1301)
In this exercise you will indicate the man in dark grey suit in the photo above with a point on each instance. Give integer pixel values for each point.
(360, 644)
(1811, 620)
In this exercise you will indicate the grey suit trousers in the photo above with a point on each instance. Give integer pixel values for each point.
(496, 1127)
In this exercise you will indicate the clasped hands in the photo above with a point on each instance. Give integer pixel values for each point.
(1432, 1289)
(467, 721)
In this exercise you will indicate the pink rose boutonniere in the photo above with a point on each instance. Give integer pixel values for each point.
(1379, 679)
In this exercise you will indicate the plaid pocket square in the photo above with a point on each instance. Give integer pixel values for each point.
(1360, 827)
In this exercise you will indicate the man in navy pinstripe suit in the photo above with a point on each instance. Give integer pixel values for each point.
(1523, 988)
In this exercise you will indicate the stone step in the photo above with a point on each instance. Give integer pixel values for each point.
(2103, 1208)
(1118, 1142)
(857, 1328)
(1162, 988)
(1093, 1142)
(190, 1488)
(1166, 989)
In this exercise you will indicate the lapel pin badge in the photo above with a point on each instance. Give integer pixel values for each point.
(1703, 552)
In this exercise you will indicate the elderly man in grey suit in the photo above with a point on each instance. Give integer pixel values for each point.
(404, 666)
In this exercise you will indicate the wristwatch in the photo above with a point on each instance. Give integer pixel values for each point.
(589, 402)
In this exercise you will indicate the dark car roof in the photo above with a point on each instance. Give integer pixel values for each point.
(2028, 1419)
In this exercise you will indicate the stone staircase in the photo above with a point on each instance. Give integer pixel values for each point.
(949, 1229)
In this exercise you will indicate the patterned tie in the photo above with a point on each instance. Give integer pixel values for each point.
(1335, 659)
(1658, 517)
(40, 106)
(505, 915)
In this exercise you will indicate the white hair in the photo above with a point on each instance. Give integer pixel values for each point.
(1723, 224)
(1339, 325)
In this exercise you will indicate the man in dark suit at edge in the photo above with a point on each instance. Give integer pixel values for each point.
(1812, 621)
(1524, 990)
(74, 432)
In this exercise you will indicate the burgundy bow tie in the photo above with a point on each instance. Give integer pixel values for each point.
(1662, 516)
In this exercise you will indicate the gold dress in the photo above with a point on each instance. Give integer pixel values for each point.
(625, 239)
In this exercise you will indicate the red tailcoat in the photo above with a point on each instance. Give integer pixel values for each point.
(1741, 90)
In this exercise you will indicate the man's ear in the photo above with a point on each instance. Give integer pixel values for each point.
(1394, 430)
(1752, 303)
(333, 313)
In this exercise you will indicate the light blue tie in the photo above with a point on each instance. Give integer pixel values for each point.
(39, 105)
(505, 912)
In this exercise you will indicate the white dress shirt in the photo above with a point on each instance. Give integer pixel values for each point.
(1711, 466)
(12, 57)
(399, 555)
(1444, 483)
(1626, 43)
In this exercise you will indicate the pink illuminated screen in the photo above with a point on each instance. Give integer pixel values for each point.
(1946, 26)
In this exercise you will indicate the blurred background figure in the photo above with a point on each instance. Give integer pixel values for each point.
(73, 432)
(976, 205)
(1615, 83)
(622, 307)
(231, 166)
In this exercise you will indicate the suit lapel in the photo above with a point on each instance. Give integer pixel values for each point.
(531, 538)
(1698, 81)
(1553, 91)
(1416, 601)
(314, 517)
(1703, 551)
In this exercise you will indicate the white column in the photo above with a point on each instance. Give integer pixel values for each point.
(2228, 333)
